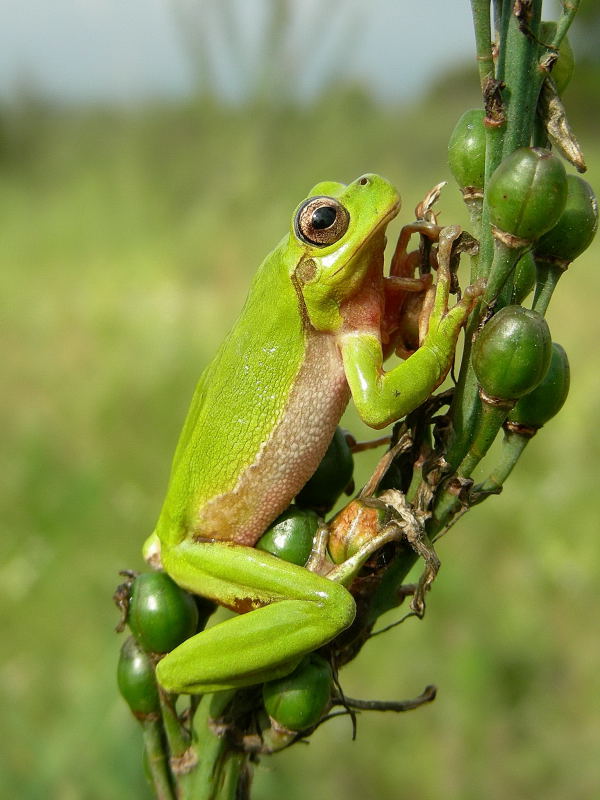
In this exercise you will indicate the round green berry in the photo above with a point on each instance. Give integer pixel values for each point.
(299, 700)
(136, 681)
(512, 353)
(161, 614)
(576, 226)
(291, 536)
(466, 150)
(527, 193)
(545, 401)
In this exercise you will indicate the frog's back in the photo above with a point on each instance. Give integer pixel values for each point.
(260, 420)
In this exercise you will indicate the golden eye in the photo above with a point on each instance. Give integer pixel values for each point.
(321, 221)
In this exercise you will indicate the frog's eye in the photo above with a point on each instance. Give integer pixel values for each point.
(321, 221)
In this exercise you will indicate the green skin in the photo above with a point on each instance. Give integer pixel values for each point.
(309, 336)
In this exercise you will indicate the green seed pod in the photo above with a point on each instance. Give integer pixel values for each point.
(576, 227)
(161, 613)
(545, 401)
(298, 701)
(526, 194)
(332, 476)
(466, 150)
(352, 527)
(136, 681)
(512, 353)
(523, 278)
(291, 536)
(562, 71)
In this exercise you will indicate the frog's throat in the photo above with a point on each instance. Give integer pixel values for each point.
(290, 455)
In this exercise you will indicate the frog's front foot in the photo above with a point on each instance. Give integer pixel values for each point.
(440, 321)
(413, 531)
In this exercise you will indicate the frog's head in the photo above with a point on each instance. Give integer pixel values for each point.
(337, 236)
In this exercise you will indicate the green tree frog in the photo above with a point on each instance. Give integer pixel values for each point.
(311, 334)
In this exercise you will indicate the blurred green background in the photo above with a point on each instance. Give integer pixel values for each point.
(128, 238)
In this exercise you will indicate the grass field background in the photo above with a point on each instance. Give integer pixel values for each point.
(127, 243)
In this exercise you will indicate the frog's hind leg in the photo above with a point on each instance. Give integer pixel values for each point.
(290, 612)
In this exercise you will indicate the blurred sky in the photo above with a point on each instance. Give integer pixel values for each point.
(127, 50)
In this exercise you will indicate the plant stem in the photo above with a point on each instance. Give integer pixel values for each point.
(490, 421)
(521, 91)
(509, 122)
(234, 770)
(492, 417)
(220, 768)
(157, 759)
(512, 449)
(480, 10)
(182, 754)
(569, 10)
(176, 738)
(548, 276)
(505, 260)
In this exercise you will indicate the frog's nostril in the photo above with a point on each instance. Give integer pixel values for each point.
(364, 181)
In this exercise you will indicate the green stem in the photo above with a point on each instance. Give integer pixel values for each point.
(521, 91)
(495, 124)
(234, 771)
(480, 10)
(512, 449)
(177, 739)
(220, 768)
(157, 759)
(509, 124)
(505, 260)
(570, 7)
(179, 746)
(569, 10)
(491, 420)
(492, 417)
(502, 15)
(465, 406)
(475, 208)
(548, 276)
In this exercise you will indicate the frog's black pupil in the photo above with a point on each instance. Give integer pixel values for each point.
(323, 217)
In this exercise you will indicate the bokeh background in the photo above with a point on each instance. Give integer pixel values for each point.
(151, 154)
